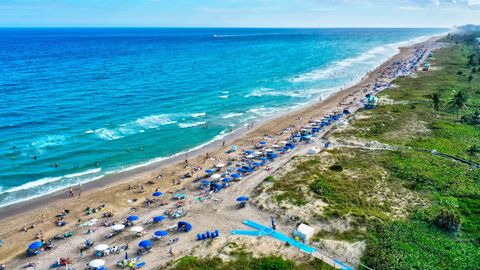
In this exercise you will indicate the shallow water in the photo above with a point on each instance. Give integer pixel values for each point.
(122, 97)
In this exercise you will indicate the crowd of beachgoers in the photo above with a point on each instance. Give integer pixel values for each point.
(158, 219)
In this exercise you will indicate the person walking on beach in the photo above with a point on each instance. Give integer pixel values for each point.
(70, 191)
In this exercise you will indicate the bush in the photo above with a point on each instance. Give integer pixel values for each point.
(448, 220)
(336, 168)
(459, 73)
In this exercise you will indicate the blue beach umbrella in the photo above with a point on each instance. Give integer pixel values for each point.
(226, 180)
(257, 164)
(158, 218)
(132, 218)
(157, 193)
(242, 199)
(35, 245)
(205, 182)
(262, 143)
(145, 244)
(209, 171)
(160, 233)
(235, 175)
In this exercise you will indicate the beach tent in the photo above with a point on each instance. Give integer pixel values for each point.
(184, 226)
(304, 232)
(157, 194)
(132, 218)
(146, 244)
(158, 218)
(118, 227)
(235, 175)
(160, 233)
(96, 263)
(215, 187)
(226, 180)
(100, 247)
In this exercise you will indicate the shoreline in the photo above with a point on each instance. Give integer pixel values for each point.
(152, 166)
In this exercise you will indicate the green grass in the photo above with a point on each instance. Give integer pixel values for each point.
(415, 245)
(247, 262)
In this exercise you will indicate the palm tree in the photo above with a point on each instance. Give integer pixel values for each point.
(436, 101)
(458, 102)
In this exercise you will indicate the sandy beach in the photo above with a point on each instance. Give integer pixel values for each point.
(124, 194)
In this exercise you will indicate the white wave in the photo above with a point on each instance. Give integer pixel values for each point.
(371, 58)
(36, 183)
(224, 92)
(224, 96)
(195, 115)
(89, 131)
(154, 121)
(264, 91)
(231, 115)
(48, 141)
(87, 172)
(189, 125)
(108, 134)
(134, 127)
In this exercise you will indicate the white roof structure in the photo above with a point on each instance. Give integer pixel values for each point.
(304, 231)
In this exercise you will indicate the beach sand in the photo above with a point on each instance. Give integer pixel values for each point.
(218, 212)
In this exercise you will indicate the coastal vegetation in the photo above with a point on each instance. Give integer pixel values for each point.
(416, 203)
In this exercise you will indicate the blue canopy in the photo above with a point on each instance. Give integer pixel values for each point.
(35, 245)
(215, 186)
(248, 152)
(241, 170)
(205, 182)
(262, 143)
(132, 218)
(226, 180)
(158, 218)
(145, 244)
(157, 193)
(235, 175)
(184, 226)
(209, 171)
(257, 164)
(161, 233)
(242, 199)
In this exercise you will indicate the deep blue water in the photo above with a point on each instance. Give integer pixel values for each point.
(126, 96)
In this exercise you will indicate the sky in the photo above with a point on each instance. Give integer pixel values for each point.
(238, 13)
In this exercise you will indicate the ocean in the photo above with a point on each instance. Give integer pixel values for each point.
(97, 101)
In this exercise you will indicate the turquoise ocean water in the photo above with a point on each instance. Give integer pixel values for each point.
(126, 97)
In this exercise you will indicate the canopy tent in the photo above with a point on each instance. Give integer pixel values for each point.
(158, 218)
(146, 244)
(136, 229)
(183, 226)
(160, 233)
(100, 247)
(35, 245)
(96, 263)
(118, 227)
(132, 218)
(157, 194)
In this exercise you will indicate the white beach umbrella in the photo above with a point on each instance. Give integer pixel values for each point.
(257, 153)
(283, 142)
(275, 146)
(96, 263)
(215, 176)
(220, 165)
(250, 156)
(118, 227)
(136, 229)
(268, 150)
(101, 247)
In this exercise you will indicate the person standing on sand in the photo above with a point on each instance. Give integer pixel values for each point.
(70, 191)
